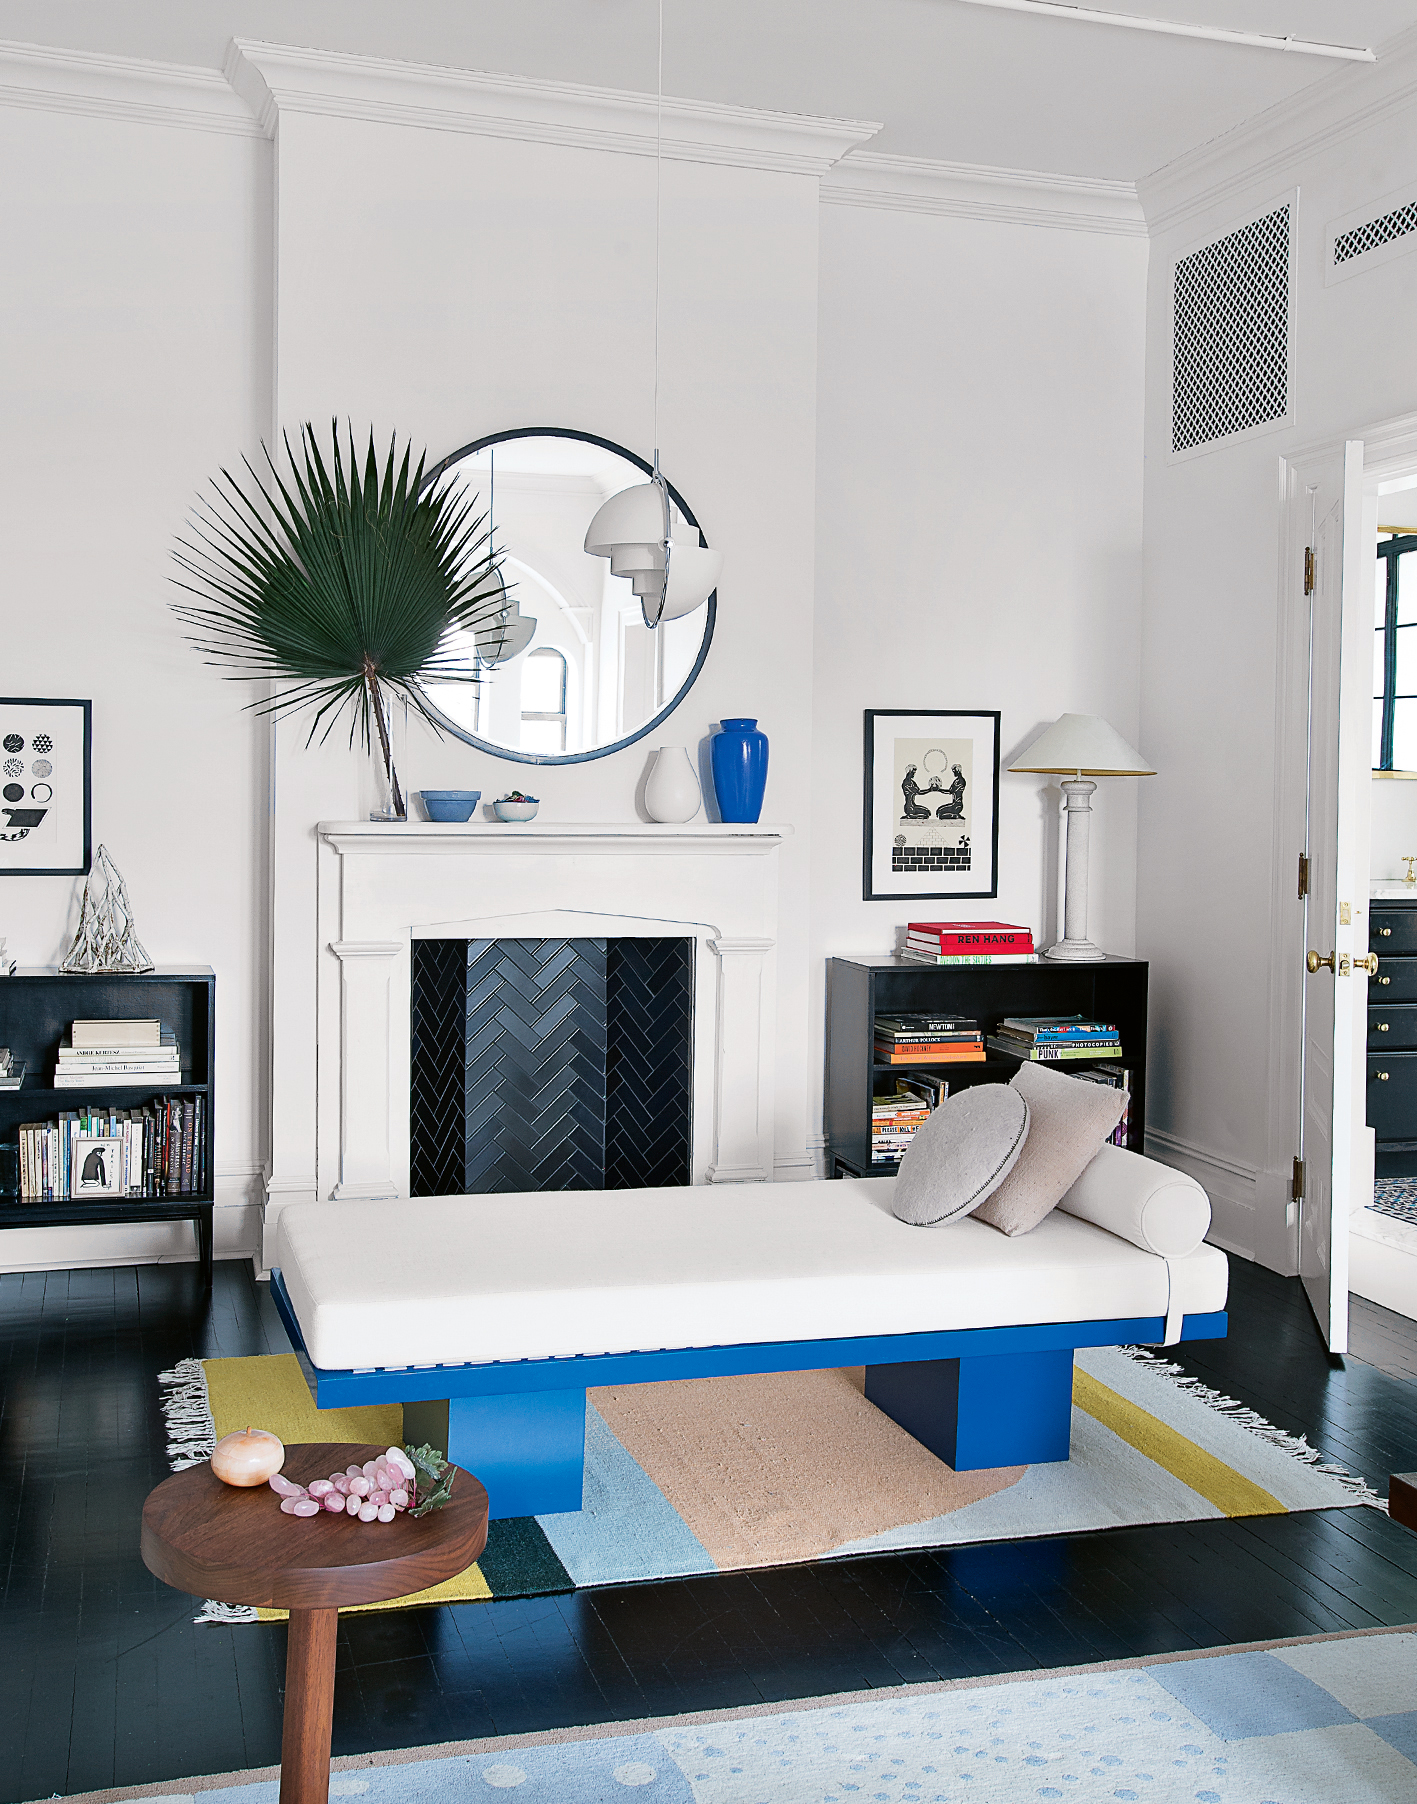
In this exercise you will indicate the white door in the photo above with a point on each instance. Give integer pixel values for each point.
(1336, 912)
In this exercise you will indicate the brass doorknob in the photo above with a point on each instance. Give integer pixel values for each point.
(1368, 964)
(1315, 963)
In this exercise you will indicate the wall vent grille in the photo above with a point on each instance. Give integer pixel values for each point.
(1376, 233)
(1231, 334)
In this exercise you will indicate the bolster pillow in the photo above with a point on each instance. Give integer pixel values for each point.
(1152, 1205)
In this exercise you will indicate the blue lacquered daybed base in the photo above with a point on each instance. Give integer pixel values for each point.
(976, 1397)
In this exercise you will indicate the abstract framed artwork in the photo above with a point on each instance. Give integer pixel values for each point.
(46, 783)
(932, 804)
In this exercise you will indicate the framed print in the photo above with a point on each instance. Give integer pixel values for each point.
(932, 804)
(46, 750)
(98, 1166)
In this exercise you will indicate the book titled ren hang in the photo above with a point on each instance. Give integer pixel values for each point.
(969, 936)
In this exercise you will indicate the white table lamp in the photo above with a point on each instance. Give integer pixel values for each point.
(1078, 747)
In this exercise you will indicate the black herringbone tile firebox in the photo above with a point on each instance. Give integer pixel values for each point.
(550, 1064)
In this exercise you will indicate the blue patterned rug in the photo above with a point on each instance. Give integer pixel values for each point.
(1396, 1197)
(1309, 1722)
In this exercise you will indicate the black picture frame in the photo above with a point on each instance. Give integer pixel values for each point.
(921, 872)
(79, 832)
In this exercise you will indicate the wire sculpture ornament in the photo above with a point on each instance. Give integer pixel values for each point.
(105, 939)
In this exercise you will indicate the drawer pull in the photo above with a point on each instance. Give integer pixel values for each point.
(1382, 1077)
(1382, 1027)
(1384, 980)
(1385, 933)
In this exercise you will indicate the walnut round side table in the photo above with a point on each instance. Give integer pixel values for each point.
(212, 1540)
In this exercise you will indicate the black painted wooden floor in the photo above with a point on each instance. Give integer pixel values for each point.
(106, 1680)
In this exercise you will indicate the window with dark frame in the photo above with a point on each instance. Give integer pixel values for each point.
(1395, 659)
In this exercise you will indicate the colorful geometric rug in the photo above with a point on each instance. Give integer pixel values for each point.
(1306, 1722)
(716, 1474)
(1396, 1197)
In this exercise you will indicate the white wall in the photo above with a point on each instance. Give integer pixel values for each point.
(134, 365)
(915, 436)
(1209, 858)
(978, 535)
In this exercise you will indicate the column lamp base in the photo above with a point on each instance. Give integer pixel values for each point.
(1078, 951)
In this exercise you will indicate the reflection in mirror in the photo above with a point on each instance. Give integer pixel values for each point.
(590, 675)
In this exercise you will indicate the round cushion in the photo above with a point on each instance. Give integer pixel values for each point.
(960, 1155)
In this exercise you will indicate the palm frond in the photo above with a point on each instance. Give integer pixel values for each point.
(335, 581)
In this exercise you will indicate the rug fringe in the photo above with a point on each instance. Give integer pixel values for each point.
(212, 1611)
(191, 1438)
(1295, 1445)
(187, 1415)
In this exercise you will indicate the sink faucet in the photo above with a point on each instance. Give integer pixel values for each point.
(1409, 861)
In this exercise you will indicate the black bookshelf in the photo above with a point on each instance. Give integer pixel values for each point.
(36, 1007)
(858, 989)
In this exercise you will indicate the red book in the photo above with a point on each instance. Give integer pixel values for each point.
(969, 936)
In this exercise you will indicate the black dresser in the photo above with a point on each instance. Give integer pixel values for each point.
(1392, 1037)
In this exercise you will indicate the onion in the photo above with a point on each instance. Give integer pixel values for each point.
(251, 1456)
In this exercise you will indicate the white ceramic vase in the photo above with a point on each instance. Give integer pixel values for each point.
(672, 790)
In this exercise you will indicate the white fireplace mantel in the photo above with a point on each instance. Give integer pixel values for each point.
(381, 885)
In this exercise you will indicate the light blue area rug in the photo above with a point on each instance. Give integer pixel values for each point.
(1314, 1722)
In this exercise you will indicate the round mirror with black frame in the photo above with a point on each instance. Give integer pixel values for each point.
(569, 671)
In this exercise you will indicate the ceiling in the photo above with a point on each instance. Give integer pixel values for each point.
(960, 82)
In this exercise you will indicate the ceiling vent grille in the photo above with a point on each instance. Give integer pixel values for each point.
(1230, 367)
(1375, 234)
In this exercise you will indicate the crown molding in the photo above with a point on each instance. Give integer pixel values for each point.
(281, 78)
(868, 178)
(1267, 146)
(120, 87)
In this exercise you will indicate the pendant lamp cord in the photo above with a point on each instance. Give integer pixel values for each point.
(659, 481)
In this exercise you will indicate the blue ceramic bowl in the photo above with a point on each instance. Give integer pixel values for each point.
(450, 804)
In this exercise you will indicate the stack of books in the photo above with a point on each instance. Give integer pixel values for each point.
(967, 943)
(143, 1053)
(12, 1070)
(7, 961)
(1046, 1039)
(159, 1149)
(927, 1040)
(894, 1120)
(1116, 1077)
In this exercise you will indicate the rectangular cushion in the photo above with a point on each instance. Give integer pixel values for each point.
(448, 1280)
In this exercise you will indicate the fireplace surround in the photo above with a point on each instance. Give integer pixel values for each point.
(382, 885)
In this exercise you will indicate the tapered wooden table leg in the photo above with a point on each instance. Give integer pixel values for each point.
(309, 1707)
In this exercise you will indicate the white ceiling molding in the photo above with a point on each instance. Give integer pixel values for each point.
(1264, 150)
(276, 78)
(120, 87)
(868, 178)
(1211, 34)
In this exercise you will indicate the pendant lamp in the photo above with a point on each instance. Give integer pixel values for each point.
(634, 528)
(509, 631)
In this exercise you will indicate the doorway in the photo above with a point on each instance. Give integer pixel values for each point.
(1324, 984)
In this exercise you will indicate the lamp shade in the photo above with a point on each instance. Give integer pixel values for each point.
(634, 516)
(1082, 744)
(503, 639)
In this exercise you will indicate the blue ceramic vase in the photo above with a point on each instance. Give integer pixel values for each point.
(740, 769)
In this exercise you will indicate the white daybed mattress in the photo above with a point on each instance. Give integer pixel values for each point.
(447, 1280)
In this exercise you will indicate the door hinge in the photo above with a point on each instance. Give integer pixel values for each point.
(1303, 875)
(1298, 1187)
(1311, 566)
